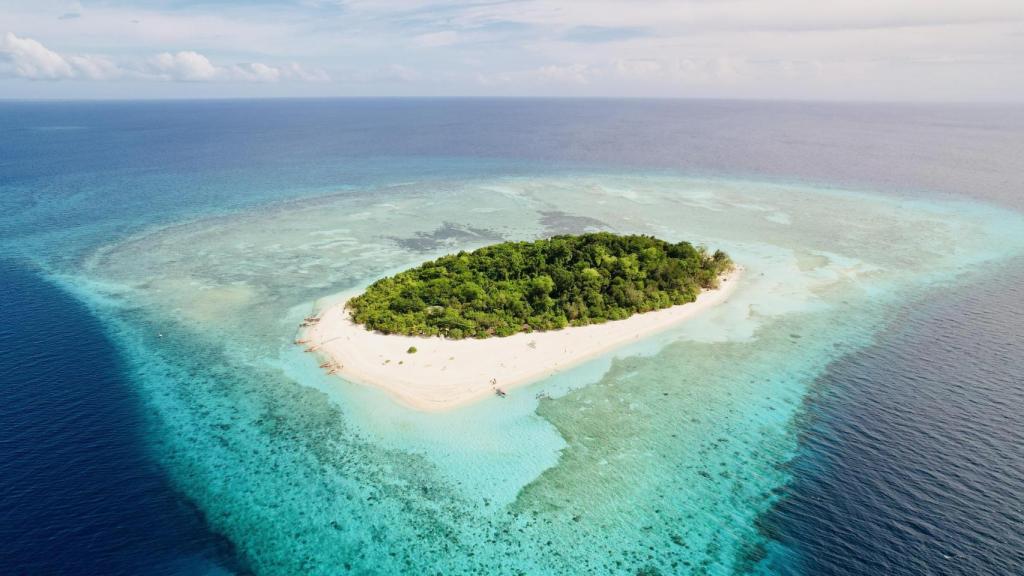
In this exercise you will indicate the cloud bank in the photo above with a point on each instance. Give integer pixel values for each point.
(29, 59)
(839, 49)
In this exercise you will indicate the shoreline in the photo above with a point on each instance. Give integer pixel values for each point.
(444, 374)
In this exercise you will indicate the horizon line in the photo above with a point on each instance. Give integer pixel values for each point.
(765, 100)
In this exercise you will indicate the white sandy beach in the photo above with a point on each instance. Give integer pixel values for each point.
(444, 374)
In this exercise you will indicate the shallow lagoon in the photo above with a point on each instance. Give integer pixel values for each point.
(661, 457)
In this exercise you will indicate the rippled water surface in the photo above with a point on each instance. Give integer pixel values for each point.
(851, 409)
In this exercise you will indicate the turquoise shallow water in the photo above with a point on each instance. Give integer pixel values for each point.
(659, 458)
(851, 411)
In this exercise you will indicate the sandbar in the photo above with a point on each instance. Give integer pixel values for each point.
(443, 373)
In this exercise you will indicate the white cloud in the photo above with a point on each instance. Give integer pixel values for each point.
(95, 68)
(30, 59)
(184, 66)
(701, 16)
(300, 72)
(848, 49)
(259, 72)
(189, 66)
(254, 72)
(27, 58)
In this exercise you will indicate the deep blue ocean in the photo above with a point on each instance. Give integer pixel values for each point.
(911, 453)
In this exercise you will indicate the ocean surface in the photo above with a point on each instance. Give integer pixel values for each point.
(853, 409)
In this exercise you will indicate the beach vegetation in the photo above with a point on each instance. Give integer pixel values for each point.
(546, 284)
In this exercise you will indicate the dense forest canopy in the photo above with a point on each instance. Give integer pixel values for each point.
(547, 284)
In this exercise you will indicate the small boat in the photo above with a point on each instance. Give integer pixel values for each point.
(311, 348)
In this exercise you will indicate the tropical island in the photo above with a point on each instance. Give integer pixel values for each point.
(473, 324)
(547, 284)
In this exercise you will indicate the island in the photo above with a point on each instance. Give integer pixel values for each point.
(476, 324)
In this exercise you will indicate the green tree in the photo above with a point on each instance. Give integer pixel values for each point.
(541, 285)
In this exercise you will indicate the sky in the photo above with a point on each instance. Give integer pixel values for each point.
(889, 50)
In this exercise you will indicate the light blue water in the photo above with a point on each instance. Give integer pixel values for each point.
(665, 457)
(661, 460)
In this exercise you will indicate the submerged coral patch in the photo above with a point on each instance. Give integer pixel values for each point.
(658, 458)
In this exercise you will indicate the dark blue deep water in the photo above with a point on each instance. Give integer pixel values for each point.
(912, 458)
(913, 447)
(78, 492)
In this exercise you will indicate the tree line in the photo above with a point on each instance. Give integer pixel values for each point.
(546, 284)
